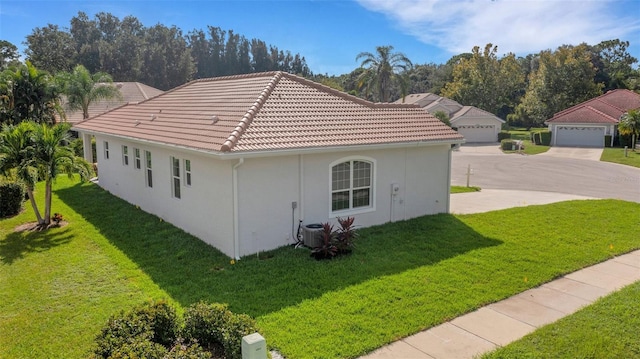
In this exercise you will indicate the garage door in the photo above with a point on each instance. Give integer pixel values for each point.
(478, 133)
(579, 136)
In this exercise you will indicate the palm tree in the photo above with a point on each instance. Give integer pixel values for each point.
(630, 125)
(54, 157)
(82, 88)
(382, 69)
(18, 158)
(28, 94)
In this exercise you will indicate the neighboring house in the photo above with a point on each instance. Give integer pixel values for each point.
(129, 91)
(476, 125)
(240, 161)
(587, 124)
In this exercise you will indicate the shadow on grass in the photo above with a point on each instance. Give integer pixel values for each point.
(17, 245)
(190, 270)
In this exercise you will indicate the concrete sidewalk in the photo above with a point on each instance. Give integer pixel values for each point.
(501, 323)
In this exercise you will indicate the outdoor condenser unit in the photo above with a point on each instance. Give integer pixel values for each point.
(312, 235)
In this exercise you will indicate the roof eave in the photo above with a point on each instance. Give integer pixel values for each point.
(284, 152)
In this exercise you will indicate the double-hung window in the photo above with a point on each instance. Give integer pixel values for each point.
(175, 177)
(187, 172)
(352, 185)
(149, 171)
(106, 150)
(137, 160)
(125, 155)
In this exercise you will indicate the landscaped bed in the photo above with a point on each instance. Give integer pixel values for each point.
(60, 286)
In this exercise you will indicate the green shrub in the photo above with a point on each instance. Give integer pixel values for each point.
(503, 135)
(541, 138)
(507, 144)
(153, 321)
(11, 198)
(140, 347)
(193, 351)
(238, 326)
(205, 323)
(607, 141)
(216, 328)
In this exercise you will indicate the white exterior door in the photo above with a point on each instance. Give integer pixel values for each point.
(579, 136)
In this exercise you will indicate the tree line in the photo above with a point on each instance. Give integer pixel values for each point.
(525, 90)
(159, 56)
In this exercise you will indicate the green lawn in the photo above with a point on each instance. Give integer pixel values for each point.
(58, 287)
(464, 189)
(616, 155)
(606, 329)
(525, 136)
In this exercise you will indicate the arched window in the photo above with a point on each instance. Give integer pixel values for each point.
(352, 185)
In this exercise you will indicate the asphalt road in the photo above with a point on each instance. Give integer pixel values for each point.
(546, 173)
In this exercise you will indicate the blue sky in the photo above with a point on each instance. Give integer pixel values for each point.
(331, 33)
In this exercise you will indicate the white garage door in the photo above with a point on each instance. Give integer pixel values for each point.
(579, 136)
(478, 133)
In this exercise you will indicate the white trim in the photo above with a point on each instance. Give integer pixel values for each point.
(236, 215)
(358, 210)
(273, 153)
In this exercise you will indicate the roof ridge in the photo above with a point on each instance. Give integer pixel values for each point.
(144, 94)
(237, 132)
(600, 112)
(345, 95)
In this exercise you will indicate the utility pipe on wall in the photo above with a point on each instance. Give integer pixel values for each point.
(236, 225)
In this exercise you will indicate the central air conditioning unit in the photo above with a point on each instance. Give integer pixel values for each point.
(312, 235)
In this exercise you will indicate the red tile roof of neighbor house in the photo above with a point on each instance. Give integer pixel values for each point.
(130, 92)
(606, 108)
(266, 112)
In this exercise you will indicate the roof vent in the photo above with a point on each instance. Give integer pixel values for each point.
(214, 119)
(153, 116)
(137, 123)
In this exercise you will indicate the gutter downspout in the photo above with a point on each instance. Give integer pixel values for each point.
(301, 187)
(236, 226)
(449, 181)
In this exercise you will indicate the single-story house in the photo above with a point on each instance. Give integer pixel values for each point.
(241, 161)
(586, 124)
(129, 92)
(476, 125)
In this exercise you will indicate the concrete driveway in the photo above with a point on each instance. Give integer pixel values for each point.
(581, 153)
(548, 174)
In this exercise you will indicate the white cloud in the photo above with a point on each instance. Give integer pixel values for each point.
(519, 26)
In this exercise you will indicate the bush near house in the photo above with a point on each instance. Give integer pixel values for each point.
(11, 198)
(154, 330)
(503, 135)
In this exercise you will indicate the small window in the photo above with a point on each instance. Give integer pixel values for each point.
(187, 172)
(138, 162)
(351, 185)
(106, 150)
(175, 177)
(125, 155)
(149, 172)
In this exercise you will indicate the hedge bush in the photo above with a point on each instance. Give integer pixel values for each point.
(154, 330)
(541, 138)
(11, 198)
(503, 136)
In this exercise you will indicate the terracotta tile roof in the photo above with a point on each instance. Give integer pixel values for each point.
(606, 108)
(265, 112)
(472, 111)
(420, 99)
(130, 91)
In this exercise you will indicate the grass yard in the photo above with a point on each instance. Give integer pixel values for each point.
(525, 136)
(58, 287)
(605, 329)
(616, 155)
(464, 189)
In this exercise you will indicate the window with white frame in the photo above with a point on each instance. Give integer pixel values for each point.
(149, 171)
(351, 185)
(187, 172)
(175, 177)
(125, 155)
(137, 160)
(106, 150)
